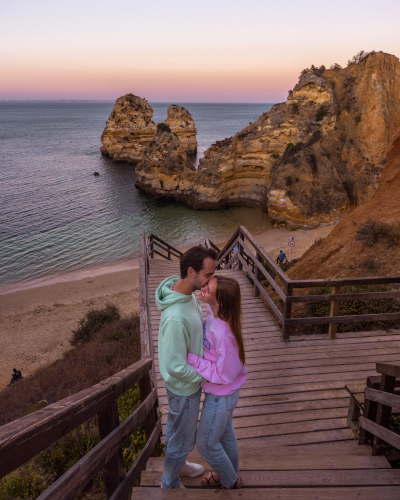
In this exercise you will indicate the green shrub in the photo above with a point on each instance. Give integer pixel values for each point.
(93, 322)
(291, 150)
(357, 307)
(311, 157)
(289, 180)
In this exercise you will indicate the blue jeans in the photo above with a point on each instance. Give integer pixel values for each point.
(180, 435)
(216, 438)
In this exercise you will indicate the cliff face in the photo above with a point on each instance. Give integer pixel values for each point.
(181, 123)
(130, 129)
(164, 164)
(367, 241)
(322, 150)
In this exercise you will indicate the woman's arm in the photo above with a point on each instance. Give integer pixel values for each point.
(223, 371)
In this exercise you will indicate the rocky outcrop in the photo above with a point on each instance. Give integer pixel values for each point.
(164, 165)
(130, 129)
(366, 242)
(181, 123)
(322, 151)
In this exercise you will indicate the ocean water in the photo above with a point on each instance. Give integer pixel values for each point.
(57, 217)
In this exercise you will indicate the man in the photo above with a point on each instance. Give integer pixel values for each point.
(16, 375)
(281, 258)
(181, 331)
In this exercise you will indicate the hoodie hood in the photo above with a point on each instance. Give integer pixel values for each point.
(165, 297)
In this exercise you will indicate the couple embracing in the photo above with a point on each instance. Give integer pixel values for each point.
(196, 355)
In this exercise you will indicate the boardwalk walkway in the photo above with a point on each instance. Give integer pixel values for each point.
(291, 417)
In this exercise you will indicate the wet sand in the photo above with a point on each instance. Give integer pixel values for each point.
(36, 323)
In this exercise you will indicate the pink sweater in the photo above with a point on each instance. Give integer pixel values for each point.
(221, 366)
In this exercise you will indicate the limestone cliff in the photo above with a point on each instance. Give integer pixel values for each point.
(181, 123)
(322, 150)
(164, 164)
(130, 129)
(366, 242)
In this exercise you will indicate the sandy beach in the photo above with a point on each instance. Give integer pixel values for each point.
(36, 322)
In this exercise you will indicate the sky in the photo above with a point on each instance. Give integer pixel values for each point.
(182, 50)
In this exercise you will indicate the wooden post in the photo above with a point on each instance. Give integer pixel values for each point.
(369, 412)
(287, 311)
(113, 471)
(334, 312)
(258, 275)
(383, 413)
(151, 419)
(240, 250)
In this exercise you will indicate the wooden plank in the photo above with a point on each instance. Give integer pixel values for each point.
(316, 283)
(388, 369)
(385, 434)
(301, 438)
(344, 319)
(299, 462)
(343, 296)
(26, 437)
(327, 493)
(286, 479)
(382, 397)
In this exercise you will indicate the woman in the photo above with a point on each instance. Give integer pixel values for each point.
(224, 371)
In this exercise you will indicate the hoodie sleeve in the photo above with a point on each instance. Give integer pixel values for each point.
(224, 370)
(175, 352)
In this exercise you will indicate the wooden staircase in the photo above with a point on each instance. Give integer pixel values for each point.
(328, 471)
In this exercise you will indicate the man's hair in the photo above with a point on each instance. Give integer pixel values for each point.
(194, 257)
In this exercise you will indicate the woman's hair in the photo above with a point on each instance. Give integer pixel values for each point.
(230, 309)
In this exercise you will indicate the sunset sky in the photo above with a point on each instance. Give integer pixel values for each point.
(184, 51)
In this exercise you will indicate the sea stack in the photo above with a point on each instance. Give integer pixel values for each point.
(181, 123)
(129, 129)
(166, 168)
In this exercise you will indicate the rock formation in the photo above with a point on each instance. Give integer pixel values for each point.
(164, 164)
(181, 123)
(130, 129)
(322, 150)
(365, 242)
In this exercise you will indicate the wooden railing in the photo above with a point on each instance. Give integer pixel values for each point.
(259, 266)
(378, 404)
(24, 438)
(154, 241)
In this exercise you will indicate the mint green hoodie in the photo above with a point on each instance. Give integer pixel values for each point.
(181, 332)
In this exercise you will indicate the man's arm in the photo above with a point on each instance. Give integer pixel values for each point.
(175, 341)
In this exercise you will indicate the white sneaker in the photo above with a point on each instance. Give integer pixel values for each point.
(191, 469)
(179, 486)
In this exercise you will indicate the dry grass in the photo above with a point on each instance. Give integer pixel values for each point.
(112, 349)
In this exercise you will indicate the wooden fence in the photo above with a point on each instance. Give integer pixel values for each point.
(378, 405)
(243, 251)
(24, 438)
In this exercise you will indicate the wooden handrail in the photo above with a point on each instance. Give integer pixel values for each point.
(378, 280)
(378, 406)
(209, 244)
(169, 249)
(255, 263)
(24, 438)
(70, 484)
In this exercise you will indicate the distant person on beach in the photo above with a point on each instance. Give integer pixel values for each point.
(282, 258)
(224, 371)
(16, 375)
(181, 332)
